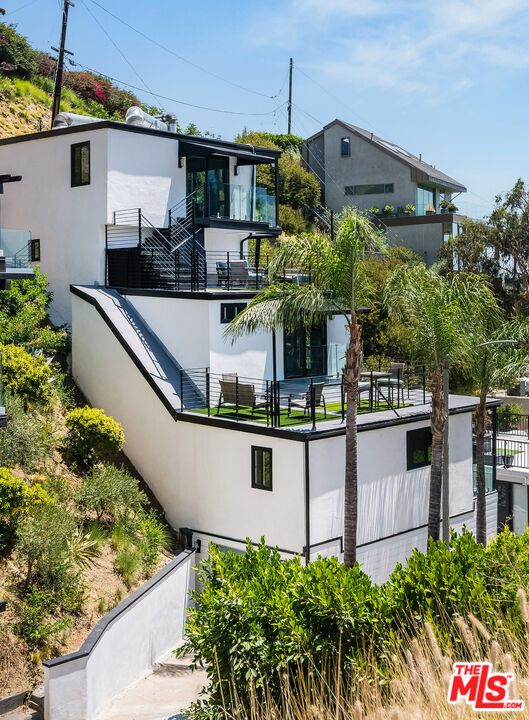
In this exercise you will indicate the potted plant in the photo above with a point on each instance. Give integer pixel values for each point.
(444, 205)
(410, 209)
(429, 209)
(401, 210)
(451, 207)
(374, 210)
(388, 209)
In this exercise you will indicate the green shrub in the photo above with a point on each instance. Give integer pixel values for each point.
(128, 564)
(43, 546)
(25, 375)
(112, 490)
(93, 434)
(508, 417)
(153, 538)
(36, 625)
(256, 616)
(16, 498)
(16, 51)
(291, 221)
(24, 440)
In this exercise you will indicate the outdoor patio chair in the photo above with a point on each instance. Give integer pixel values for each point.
(240, 394)
(240, 273)
(222, 274)
(363, 386)
(396, 381)
(305, 402)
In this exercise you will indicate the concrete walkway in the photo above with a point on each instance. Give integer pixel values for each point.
(169, 689)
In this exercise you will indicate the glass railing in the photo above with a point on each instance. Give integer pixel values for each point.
(16, 245)
(238, 202)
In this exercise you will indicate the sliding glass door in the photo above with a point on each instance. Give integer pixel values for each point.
(305, 352)
(208, 177)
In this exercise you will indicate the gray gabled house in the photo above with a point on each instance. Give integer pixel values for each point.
(355, 167)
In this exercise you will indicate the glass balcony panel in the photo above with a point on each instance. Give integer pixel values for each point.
(16, 247)
(239, 202)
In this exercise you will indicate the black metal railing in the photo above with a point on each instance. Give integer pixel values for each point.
(284, 403)
(513, 424)
(512, 453)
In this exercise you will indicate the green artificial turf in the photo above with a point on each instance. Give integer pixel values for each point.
(334, 411)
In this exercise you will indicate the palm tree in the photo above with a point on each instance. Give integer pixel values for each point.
(338, 285)
(498, 359)
(440, 313)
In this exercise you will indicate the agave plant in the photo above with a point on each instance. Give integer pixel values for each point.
(82, 548)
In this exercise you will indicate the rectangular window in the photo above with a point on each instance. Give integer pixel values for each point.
(376, 189)
(229, 311)
(345, 147)
(261, 468)
(35, 250)
(419, 448)
(80, 164)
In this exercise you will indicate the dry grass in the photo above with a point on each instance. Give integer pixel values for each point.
(412, 686)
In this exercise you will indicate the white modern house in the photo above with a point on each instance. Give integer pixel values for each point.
(151, 242)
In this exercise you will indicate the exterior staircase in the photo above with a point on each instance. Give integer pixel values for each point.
(140, 255)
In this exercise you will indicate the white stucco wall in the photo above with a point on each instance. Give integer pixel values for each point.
(68, 220)
(150, 624)
(200, 474)
(143, 173)
(399, 496)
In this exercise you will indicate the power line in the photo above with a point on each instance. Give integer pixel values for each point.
(170, 99)
(180, 57)
(118, 49)
(22, 7)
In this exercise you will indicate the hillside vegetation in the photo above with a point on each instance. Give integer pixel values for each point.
(78, 530)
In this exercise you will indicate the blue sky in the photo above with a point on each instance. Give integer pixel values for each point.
(445, 78)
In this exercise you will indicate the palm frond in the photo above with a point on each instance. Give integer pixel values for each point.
(284, 306)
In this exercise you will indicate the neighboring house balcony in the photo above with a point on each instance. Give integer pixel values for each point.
(305, 403)
(17, 251)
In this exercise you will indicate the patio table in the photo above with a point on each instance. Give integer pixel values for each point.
(375, 375)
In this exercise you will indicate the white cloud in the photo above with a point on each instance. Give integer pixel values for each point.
(350, 8)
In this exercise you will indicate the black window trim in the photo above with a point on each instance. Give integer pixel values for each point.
(240, 305)
(35, 249)
(255, 485)
(426, 432)
(73, 148)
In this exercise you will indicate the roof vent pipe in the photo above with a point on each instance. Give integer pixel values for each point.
(136, 116)
(66, 119)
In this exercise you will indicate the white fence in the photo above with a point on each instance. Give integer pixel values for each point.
(122, 647)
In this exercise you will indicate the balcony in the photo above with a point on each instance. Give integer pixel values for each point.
(16, 248)
(219, 204)
(302, 403)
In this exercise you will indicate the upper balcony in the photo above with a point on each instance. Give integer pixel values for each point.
(218, 202)
(17, 250)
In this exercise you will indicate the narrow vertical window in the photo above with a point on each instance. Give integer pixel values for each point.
(345, 144)
(80, 164)
(261, 468)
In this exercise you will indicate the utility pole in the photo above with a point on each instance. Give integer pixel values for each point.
(290, 96)
(60, 63)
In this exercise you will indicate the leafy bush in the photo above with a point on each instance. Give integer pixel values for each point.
(508, 417)
(16, 51)
(42, 544)
(25, 374)
(92, 434)
(111, 490)
(24, 440)
(291, 221)
(16, 498)
(102, 91)
(153, 538)
(256, 616)
(36, 624)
